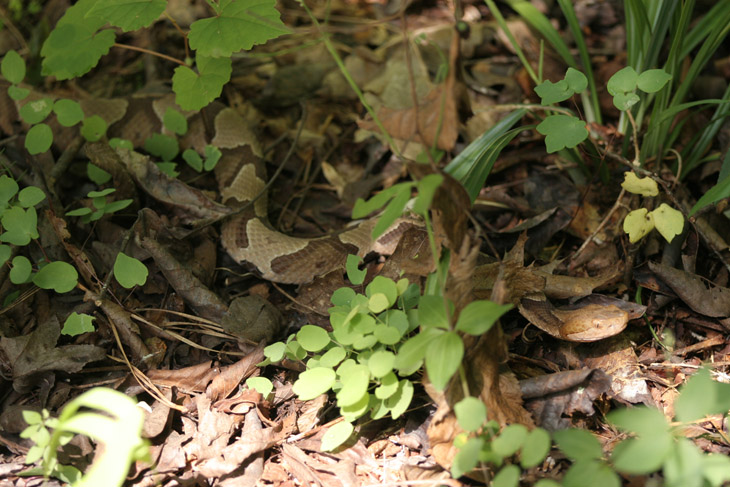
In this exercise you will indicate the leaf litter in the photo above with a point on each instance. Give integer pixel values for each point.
(531, 221)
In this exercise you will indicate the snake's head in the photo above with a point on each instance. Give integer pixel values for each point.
(593, 322)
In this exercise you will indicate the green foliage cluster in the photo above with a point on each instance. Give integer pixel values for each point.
(104, 415)
(373, 348)
(654, 445)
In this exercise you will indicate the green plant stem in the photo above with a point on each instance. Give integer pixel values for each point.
(637, 153)
(346, 73)
(503, 25)
(153, 53)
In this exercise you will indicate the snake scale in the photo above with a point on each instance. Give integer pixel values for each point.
(250, 239)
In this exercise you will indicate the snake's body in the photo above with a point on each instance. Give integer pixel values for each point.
(249, 238)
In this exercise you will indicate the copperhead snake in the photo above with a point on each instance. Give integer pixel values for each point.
(249, 238)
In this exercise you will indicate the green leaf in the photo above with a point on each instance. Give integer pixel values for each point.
(381, 363)
(71, 50)
(8, 189)
(20, 271)
(701, 396)
(600, 475)
(36, 111)
(336, 435)
(535, 448)
(562, 131)
(5, 253)
(392, 212)
(174, 121)
(387, 335)
(193, 90)
(398, 403)
(578, 445)
(576, 80)
(385, 286)
(355, 381)
(431, 311)
(716, 468)
(38, 139)
(20, 225)
(479, 316)
(642, 420)
(77, 324)
(718, 192)
(17, 93)
(355, 411)
(388, 386)
(68, 112)
(683, 466)
(354, 274)
(129, 272)
(212, 156)
(623, 81)
(510, 440)
(93, 128)
(59, 276)
(168, 168)
(624, 101)
(427, 187)
(508, 476)
(550, 92)
(413, 351)
(342, 296)
(638, 223)
(645, 186)
(13, 67)
(363, 208)
(262, 385)
(668, 221)
(653, 80)
(275, 351)
(642, 455)
(30, 196)
(97, 174)
(471, 413)
(240, 25)
(467, 457)
(117, 143)
(129, 14)
(313, 338)
(333, 357)
(378, 303)
(193, 159)
(443, 358)
(313, 382)
(162, 146)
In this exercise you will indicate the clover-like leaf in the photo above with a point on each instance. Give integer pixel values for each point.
(20, 225)
(550, 92)
(576, 80)
(76, 324)
(562, 131)
(313, 382)
(644, 186)
(240, 25)
(262, 385)
(624, 101)
(129, 272)
(129, 14)
(60, 276)
(38, 139)
(313, 338)
(471, 413)
(174, 121)
(193, 159)
(336, 435)
(21, 269)
(93, 128)
(355, 381)
(623, 81)
(653, 80)
(163, 146)
(36, 111)
(8, 189)
(30, 196)
(13, 67)
(194, 90)
(68, 112)
(638, 223)
(668, 221)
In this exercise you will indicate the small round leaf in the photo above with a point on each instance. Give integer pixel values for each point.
(13, 67)
(68, 112)
(129, 272)
(313, 382)
(59, 276)
(336, 435)
(313, 338)
(38, 139)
